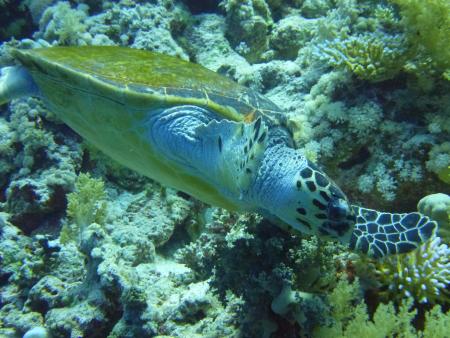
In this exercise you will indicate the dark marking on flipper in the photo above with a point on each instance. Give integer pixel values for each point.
(257, 126)
(394, 237)
(262, 137)
(427, 230)
(379, 234)
(390, 229)
(364, 244)
(410, 221)
(372, 228)
(404, 247)
(370, 215)
(413, 236)
(376, 251)
(381, 237)
(384, 219)
(220, 144)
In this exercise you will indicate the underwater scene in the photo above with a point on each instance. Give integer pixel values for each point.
(224, 168)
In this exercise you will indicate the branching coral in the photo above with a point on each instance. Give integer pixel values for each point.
(86, 205)
(63, 24)
(423, 275)
(428, 30)
(371, 56)
(418, 43)
(349, 320)
(353, 321)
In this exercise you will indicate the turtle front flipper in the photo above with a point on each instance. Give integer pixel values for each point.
(381, 233)
(225, 155)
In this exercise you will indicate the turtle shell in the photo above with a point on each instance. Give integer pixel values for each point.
(108, 94)
(143, 78)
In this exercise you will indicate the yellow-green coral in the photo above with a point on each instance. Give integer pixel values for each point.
(86, 205)
(439, 161)
(427, 24)
(63, 23)
(422, 47)
(373, 57)
(350, 318)
(444, 175)
(423, 274)
(437, 323)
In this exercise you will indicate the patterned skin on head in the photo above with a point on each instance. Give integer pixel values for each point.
(332, 215)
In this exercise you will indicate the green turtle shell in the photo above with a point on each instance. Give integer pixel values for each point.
(137, 77)
(106, 95)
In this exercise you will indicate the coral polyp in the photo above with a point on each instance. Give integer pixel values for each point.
(423, 274)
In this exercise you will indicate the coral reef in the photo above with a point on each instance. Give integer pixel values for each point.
(427, 28)
(437, 206)
(15, 20)
(423, 275)
(372, 57)
(86, 204)
(365, 90)
(63, 24)
(41, 166)
(285, 271)
(349, 320)
(440, 159)
(248, 23)
(289, 35)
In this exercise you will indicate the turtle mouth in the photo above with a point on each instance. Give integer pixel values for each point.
(341, 217)
(338, 209)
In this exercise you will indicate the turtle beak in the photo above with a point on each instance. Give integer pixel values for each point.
(341, 217)
(338, 209)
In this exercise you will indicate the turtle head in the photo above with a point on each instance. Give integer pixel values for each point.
(297, 192)
(327, 210)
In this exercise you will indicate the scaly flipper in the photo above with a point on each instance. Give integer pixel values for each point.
(238, 154)
(380, 233)
(225, 153)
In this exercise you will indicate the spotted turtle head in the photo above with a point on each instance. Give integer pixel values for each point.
(324, 208)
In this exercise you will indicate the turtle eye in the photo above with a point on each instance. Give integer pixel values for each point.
(338, 209)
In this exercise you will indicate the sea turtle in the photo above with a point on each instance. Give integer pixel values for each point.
(199, 132)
